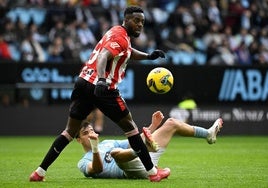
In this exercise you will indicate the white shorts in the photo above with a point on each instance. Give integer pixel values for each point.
(134, 169)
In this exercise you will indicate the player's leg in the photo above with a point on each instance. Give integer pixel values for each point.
(163, 134)
(117, 110)
(151, 144)
(148, 139)
(171, 126)
(56, 148)
(96, 117)
(132, 166)
(157, 118)
(137, 144)
(213, 131)
(121, 155)
(99, 118)
(78, 111)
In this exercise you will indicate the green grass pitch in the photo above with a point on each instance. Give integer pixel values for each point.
(234, 161)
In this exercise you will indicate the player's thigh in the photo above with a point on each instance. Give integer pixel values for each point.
(82, 100)
(80, 109)
(155, 156)
(134, 169)
(163, 135)
(114, 108)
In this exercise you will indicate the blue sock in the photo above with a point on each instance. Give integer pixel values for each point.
(200, 132)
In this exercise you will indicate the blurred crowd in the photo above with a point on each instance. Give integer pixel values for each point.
(191, 32)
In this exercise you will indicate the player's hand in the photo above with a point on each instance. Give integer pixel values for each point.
(94, 141)
(156, 54)
(101, 88)
(93, 136)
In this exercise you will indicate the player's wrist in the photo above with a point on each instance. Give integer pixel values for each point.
(94, 145)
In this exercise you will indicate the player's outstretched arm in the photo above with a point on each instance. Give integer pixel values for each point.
(96, 166)
(139, 55)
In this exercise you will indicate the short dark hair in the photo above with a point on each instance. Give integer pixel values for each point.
(84, 125)
(132, 9)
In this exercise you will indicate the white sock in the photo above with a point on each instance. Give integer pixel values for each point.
(40, 171)
(153, 171)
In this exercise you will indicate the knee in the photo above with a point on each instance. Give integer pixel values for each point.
(73, 127)
(127, 124)
(115, 152)
(67, 135)
(172, 122)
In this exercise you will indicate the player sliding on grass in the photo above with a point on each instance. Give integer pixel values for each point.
(115, 159)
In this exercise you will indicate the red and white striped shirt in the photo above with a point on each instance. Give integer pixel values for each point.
(118, 43)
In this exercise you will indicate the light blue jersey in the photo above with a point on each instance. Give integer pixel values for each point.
(110, 168)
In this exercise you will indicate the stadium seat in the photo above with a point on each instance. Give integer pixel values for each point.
(200, 58)
(12, 15)
(84, 54)
(15, 53)
(23, 14)
(38, 15)
(200, 45)
(174, 56)
(186, 58)
(19, 13)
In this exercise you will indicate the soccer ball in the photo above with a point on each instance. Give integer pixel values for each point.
(160, 80)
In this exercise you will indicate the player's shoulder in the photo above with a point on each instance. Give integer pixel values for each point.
(118, 29)
(116, 39)
(118, 33)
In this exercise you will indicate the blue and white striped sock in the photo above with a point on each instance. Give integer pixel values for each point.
(200, 132)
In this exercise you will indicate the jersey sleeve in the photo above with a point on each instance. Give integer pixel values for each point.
(124, 144)
(83, 163)
(116, 44)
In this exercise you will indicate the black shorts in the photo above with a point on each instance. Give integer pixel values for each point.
(84, 101)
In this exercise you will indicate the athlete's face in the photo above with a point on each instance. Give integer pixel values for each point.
(134, 24)
(84, 135)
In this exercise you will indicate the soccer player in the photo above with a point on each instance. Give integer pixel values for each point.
(115, 159)
(96, 87)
